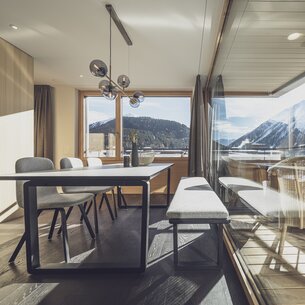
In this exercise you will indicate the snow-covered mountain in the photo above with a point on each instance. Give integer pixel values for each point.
(274, 133)
(99, 123)
(295, 115)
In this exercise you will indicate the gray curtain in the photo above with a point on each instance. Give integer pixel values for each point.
(43, 136)
(198, 133)
(217, 115)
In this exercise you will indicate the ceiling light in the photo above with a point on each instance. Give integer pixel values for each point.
(13, 26)
(81, 76)
(294, 36)
(108, 87)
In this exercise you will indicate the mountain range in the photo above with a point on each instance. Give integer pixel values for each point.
(274, 133)
(154, 133)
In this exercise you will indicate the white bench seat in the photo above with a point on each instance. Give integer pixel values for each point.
(273, 204)
(194, 203)
(238, 184)
(195, 199)
(266, 202)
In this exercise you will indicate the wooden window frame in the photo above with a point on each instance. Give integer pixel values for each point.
(118, 126)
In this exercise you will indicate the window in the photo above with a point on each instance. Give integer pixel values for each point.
(100, 120)
(162, 123)
(262, 128)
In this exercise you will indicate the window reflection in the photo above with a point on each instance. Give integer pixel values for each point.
(258, 165)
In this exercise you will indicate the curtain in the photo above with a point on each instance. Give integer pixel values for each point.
(198, 134)
(43, 121)
(217, 115)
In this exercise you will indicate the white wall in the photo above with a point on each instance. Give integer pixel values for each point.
(17, 141)
(65, 123)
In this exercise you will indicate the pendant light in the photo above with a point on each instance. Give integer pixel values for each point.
(108, 87)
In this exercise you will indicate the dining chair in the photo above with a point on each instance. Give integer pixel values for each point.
(69, 163)
(290, 175)
(48, 198)
(97, 162)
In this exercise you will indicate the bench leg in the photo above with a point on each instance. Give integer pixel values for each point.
(219, 263)
(175, 239)
(221, 193)
(220, 245)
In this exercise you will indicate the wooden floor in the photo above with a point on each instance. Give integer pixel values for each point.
(118, 241)
(279, 275)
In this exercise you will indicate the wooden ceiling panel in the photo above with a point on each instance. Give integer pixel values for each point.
(255, 54)
(274, 16)
(276, 6)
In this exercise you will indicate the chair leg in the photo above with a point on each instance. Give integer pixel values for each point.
(109, 207)
(20, 244)
(65, 235)
(95, 215)
(114, 204)
(67, 216)
(102, 200)
(87, 222)
(18, 248)
(87, 211)
(54, 220)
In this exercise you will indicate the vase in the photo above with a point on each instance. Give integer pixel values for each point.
(134, 155)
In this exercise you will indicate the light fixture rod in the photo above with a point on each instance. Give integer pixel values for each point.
(118, 86)
(118, 23)
(110, 42)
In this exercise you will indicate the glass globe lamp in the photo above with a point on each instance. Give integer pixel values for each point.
(98, 68)
(139, 96)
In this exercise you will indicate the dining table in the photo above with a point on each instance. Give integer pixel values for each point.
(106, 175)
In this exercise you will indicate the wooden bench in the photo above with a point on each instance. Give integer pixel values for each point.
(274, 206)
(196, 203)
(236, 184)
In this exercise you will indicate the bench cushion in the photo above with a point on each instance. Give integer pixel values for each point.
(237, 184)
(272, 204)
(194, 199)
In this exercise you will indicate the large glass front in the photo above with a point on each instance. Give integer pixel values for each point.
(100, 121)
(258, 157)
(162, 124)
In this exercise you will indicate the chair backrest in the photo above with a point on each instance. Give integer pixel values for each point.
(33, 164)
(93, 162)
(290, 175)
(66, 163)
(71, 163)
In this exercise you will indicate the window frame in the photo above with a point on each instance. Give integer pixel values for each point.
(118, 126)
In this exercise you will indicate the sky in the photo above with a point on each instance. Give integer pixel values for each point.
(245, 114)
(168, 108)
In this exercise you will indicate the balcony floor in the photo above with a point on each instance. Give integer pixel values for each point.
(118, 242)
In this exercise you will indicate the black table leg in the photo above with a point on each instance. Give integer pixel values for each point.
(168, 186)
(31, 227)
(144, 225)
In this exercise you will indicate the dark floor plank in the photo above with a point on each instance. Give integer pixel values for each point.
(118, 241)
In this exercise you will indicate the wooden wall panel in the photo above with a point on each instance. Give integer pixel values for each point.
(16, 80)
(16, 117)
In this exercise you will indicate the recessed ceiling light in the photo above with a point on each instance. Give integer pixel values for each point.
(294, 36)
(13, 26)
(81, 75)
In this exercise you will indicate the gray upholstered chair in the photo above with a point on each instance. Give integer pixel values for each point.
(68, 163)
(97, 162)
(48, 198)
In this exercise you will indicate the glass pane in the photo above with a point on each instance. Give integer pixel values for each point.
(99, 127)
(162, 125)
(258, 165)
